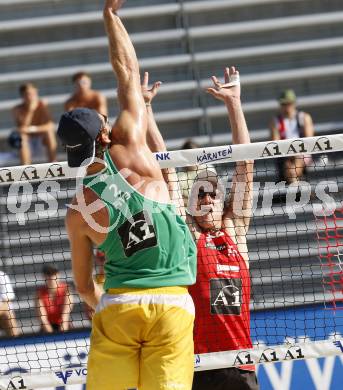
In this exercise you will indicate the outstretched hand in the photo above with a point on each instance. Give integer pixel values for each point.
(149, 94)
(114, 5)
(229, 89)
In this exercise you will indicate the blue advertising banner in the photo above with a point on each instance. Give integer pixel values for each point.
(316, 323)
(65, 355)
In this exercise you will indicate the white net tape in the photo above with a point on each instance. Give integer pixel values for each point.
(282, 257)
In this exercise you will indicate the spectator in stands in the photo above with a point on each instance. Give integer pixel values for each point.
(34, 125)
(85, 96)
(54, 302)
(291, 123)
(8, 321)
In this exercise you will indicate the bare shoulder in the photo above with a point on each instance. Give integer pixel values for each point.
(97, 96)
(74, 213)
(70, 99)
(136, 159)
(43, 107)
(69, 102)
(307, 116)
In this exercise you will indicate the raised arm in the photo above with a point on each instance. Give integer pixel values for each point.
(131, 124)
(154, 137)
(82, 259)
(156, 144)
(238, 210)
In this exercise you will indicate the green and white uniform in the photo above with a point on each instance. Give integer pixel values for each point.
(148, 244)
(142, 332)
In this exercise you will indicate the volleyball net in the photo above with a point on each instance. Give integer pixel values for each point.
(295, 244)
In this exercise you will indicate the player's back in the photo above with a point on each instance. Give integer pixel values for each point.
(148, 244)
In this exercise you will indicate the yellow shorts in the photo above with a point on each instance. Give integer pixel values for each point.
(142, 338)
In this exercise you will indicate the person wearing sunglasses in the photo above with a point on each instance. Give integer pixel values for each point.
(218, 215)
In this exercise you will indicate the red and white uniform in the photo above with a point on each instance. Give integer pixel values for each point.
(221, 296)
(54, 305)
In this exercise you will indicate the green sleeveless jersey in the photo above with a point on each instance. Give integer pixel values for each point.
(147, 244)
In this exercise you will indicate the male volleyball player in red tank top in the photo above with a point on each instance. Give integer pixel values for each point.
(222, 292)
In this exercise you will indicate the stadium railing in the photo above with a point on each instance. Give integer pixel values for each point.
(265, 25)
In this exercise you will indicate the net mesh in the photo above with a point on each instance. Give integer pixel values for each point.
(295, 270)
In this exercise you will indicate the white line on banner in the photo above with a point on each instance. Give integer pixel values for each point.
(182, 158)
(266, 354)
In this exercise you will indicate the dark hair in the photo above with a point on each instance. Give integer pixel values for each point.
(189, 144)
(79, 75)
(24, 87)
(49, 270)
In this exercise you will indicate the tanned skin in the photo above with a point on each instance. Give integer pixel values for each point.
(85, 96)
(128, 148)
(235, 216)
(33, 119)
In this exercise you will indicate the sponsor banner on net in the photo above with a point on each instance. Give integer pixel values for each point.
(268, 354)
(20, 372)
(42, 365)
(182, 158)
(63, 377)
(39, 172)
(253, 151)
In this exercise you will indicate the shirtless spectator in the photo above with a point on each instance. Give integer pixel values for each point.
(34, 125)
(85, 96)
(54, 302)
(8, 321)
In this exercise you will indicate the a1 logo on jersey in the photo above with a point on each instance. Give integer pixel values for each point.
(137, 233)
(226, 296)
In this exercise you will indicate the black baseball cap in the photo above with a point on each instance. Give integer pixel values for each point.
(78, 130)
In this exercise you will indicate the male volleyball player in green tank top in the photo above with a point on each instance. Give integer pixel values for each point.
(142, 330)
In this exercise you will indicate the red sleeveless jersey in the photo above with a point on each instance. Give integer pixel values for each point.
(54, 306)
(221, 296)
